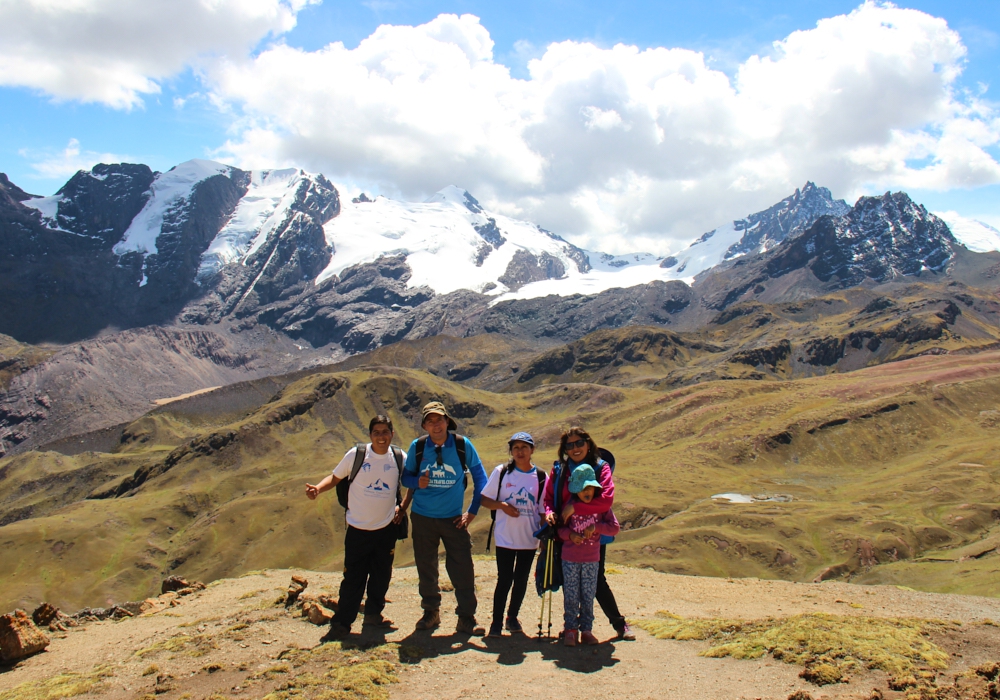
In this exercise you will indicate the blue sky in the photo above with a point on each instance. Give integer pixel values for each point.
(227, 98)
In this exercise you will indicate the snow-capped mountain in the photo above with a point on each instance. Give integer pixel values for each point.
(758, 232)
(975, 235)
(450, 242)
(205, 242)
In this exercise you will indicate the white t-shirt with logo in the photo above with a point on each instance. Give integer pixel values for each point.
(520, 489)
(371, 499)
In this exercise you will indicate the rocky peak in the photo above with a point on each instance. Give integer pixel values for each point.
(879, 238)
(789, 217)
(100, 203)
(11, 192)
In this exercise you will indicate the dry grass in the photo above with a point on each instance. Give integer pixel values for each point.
(64, 685)
(195, 646)
(895, 645)
(332, 672)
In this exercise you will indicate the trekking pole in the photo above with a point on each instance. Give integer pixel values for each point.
(545, 585)
(548, 566)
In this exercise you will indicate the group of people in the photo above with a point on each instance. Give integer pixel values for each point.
(378, 485)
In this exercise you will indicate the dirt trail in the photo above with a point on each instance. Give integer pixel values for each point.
(234, 626)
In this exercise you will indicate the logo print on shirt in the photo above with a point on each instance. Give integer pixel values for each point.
(523, 500)
(366, 467)
(378, 488)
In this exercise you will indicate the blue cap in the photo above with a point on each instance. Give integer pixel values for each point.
(521, 437)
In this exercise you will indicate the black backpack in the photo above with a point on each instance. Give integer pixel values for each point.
(344, 485)
(493, 514)
(459, 447)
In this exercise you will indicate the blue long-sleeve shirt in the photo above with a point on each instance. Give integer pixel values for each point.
(444, 497)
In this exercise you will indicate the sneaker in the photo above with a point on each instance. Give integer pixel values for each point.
(376, 621)
(467, 625)
(569, 638)
(514, 626)
(336, 632)
(625, 633)
(496, 630)
(587, 637)
(430, 621)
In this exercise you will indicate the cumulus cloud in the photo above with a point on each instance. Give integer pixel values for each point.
(65, 163)
(115, 51)
(619, 147)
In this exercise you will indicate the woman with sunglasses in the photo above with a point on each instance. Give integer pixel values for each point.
(577, 447)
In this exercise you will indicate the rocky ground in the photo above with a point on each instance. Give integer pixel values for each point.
(235, 640)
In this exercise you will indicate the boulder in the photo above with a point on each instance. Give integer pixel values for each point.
(295, 589)
(44, 614)
(316, 613)
(19, 637)
(182, 586)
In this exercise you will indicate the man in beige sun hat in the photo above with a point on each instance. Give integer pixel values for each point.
(436, 468)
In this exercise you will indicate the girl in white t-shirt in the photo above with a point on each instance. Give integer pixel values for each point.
(514, 491)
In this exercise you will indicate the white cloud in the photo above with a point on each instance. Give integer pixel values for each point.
(115, 51)
(64, 164)
(613, 146)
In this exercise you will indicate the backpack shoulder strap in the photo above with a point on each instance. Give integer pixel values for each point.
(460, 446)
(419, 457)
(359, 458)
(400, 457)
(541, 481)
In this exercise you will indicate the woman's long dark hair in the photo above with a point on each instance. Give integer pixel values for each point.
(592, 454)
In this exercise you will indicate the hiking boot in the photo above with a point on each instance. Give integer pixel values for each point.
(467, 625)
(569, 638)
(376, 621)
(587, 637)
(430, 621)
(625, 633)
(514, 626)
(496, 630)
(336, 632)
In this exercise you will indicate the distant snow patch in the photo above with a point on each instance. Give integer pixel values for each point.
(170, 190)
(972, 233)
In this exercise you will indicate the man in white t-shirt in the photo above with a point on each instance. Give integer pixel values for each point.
(372, 519)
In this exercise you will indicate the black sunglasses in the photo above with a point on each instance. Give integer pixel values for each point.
(440, 459)
(576, 443)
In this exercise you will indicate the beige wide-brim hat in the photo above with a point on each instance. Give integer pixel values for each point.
(437, 407)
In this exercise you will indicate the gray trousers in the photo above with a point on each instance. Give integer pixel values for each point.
(427, 534)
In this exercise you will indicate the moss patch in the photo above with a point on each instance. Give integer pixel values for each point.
(829, 645)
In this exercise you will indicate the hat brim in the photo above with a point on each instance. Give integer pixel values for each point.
(585, 484)
(452, 425)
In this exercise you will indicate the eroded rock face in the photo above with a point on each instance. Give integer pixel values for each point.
(19, 637)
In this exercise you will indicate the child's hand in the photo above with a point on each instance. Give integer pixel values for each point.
(577, 538)
(589, 532)
(567, 512)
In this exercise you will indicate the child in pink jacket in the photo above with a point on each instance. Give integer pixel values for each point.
(581, 554)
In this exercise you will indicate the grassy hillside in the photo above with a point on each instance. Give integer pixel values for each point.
(887, 473)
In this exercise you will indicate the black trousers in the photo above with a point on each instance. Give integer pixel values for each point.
(427, 535)
(513, 569)
(368, 556)
(605, 598)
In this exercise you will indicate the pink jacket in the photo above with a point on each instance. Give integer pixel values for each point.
(590, 549)
(602, 503)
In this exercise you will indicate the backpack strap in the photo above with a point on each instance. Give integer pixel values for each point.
(359, 458)
(460, 448)
(421, 444)
(400, 458)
